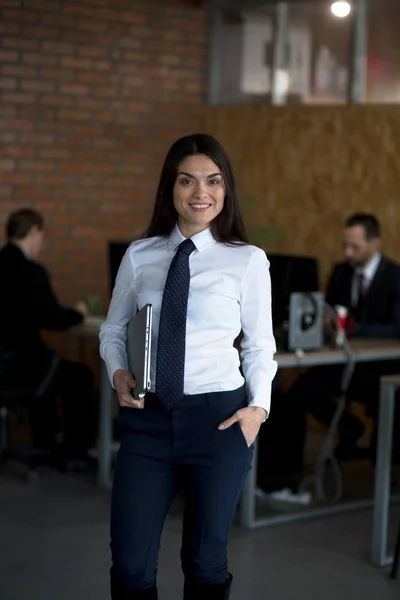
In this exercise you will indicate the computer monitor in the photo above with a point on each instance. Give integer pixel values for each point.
(290, 274)
(116, 251)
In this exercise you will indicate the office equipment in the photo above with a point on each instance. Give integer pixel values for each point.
(139, 349)
(290, 274)
(306, 321)
(116, 251)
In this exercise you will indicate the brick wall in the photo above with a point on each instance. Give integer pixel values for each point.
(92, 94)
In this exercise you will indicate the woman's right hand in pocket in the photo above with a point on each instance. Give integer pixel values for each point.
(124, 384)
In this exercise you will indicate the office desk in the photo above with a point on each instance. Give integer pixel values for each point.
(365, 351)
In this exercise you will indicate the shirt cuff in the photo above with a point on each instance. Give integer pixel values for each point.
(264, 402)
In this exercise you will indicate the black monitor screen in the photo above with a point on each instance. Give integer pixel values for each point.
(290, 274)
(116, 251)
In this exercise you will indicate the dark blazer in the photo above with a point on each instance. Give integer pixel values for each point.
(27, 306)
(381, 313)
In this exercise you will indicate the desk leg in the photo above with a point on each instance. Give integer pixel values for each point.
(383, 475)
(106, 433)
(248, 498)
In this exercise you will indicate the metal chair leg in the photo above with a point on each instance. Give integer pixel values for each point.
(395, 566)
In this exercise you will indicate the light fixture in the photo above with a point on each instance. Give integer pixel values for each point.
(341, 9)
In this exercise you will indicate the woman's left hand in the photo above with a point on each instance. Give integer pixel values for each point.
(249, 419)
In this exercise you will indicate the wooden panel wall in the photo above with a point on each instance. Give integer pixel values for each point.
(302, 170)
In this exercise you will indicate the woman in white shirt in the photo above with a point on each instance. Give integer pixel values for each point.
(195, 430)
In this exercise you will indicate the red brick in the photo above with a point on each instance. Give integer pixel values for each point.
(171, 60)
(22, 16)
(37, 112)
(8, 111)
(99, 2)
(58, 21)
(89, 103)
(87, 232)
(11, 28)
(75, 63)
(6, 137)
(89, 129)
(8, 56)
(133, 81)
(17, 71)
(20, 152)
(134, 17)
(53, 126)
(101, 169)
(19, 43)
(89, 25)
(92, 52)
(118, 29)
(74, 88)
(103, 117)
(37, 138)
(74, 115)
(107, 14)
(54, 153)
(17, 124)
(32, 192)
(138, 57)
(102, 65)
(39, 59)
(90, 77)
(18, 178)
(107, 92)
(18, 98)
(53, 180)
(80, 37)
(8, 83)
(48, 33)
(36, 165)
(57, 101)
(77, 10)
(5, 192)
(38, 86)
(62, 48)
(58, 74)
(130, 42)
(7, 164)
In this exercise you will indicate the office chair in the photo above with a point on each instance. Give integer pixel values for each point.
(14, 400)
(395, 566)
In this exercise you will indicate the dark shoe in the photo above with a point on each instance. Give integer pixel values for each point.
(207, 591)
(118, 593)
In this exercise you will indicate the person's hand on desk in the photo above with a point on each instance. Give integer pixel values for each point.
(124, 384)
(249, 419)
(82, 308)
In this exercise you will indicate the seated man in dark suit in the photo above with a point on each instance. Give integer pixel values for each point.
(368, 285)
(27, 306)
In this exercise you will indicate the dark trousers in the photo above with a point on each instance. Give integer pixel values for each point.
(67, 405)
(161, 453)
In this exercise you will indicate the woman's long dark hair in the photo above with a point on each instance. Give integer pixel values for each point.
(228, 226)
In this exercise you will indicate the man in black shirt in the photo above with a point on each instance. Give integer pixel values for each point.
(28, 305)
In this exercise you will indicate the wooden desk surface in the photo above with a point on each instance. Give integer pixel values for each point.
(366, 350)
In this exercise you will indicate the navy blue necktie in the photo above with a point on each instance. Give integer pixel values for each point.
(172, 331)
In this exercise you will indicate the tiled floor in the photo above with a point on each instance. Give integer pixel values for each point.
(54, 546)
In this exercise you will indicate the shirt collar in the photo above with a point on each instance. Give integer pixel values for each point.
(370, 268)
(202, 240)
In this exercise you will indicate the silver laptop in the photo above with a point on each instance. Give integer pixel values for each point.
(139, 349)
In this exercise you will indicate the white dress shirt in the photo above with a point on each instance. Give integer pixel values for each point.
(368, 272)
(230, 291)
